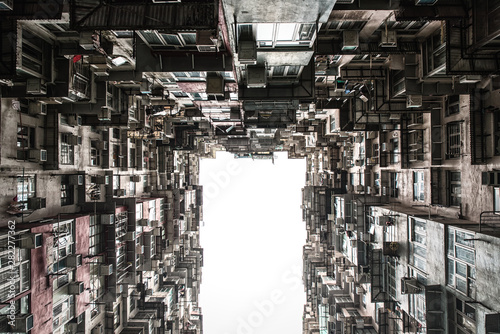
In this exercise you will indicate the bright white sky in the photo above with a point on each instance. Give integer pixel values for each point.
(252, 238)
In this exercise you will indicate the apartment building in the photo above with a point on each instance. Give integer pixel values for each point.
(106, 108)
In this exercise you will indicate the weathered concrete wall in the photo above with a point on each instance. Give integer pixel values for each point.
(41, 284)
(487, 260)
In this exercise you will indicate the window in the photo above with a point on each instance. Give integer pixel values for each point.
(453, 105)
(418, 249)
(453, 131)
(25, 141)
(94, 153)
(132, 186)
(455, 189)
(169, 41)
(496, 199)
(116, 182)
(116, 316)
(336, 26)
(21, 265)
(434, 51)
(131, 158)
(116, 133)
(284, 72)
(26, 187)
(394, 184)
(461, 269)
(67, 191)
(116, 155)
(95, 237)
(270, 35)
(67, 150)
(395, 151)
(418, 186)
(132, 305)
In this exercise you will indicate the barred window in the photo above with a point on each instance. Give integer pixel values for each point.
(454, 140)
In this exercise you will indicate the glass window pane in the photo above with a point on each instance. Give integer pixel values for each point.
(451, 272)
(465, 239)
(189, 39)
(461, 269)
(293, 70)
(265, 31)
(171, 39)
(464, 254)
(306, 32)
(285, 31)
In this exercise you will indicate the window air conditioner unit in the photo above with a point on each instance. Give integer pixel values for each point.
(107, 219)
(38, 155)
(349, 226)
(143, 222)
(99, 179)
(87, 40)
(386, 147)
(360, 188)
(360, 324)
(37, 108)
(76, 288)
(410, 286)
(247, 52)
(105, 269)
(155, 223)
(120, 192)
(256, 76)
(360, 290)
(104, 114)
(36, 87)
(72, 327)
(23, 323)
(103, 145)
(36, 203)
(130, 236)
(491, 178)
(470, 79)
(136, 178)
(349, 279)
(339, 221)
(74, 260)
(205, 41)
(76, 180)
(72, 140)
(350, 41)
(31, 240)
(74, 120)
(99, 329)
(388, 38)
(215, 85)
(414, 101)
(157, 232)
(425, 2)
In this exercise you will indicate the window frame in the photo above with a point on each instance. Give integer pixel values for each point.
(26, 140)
(453, 140)
(67, 150)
